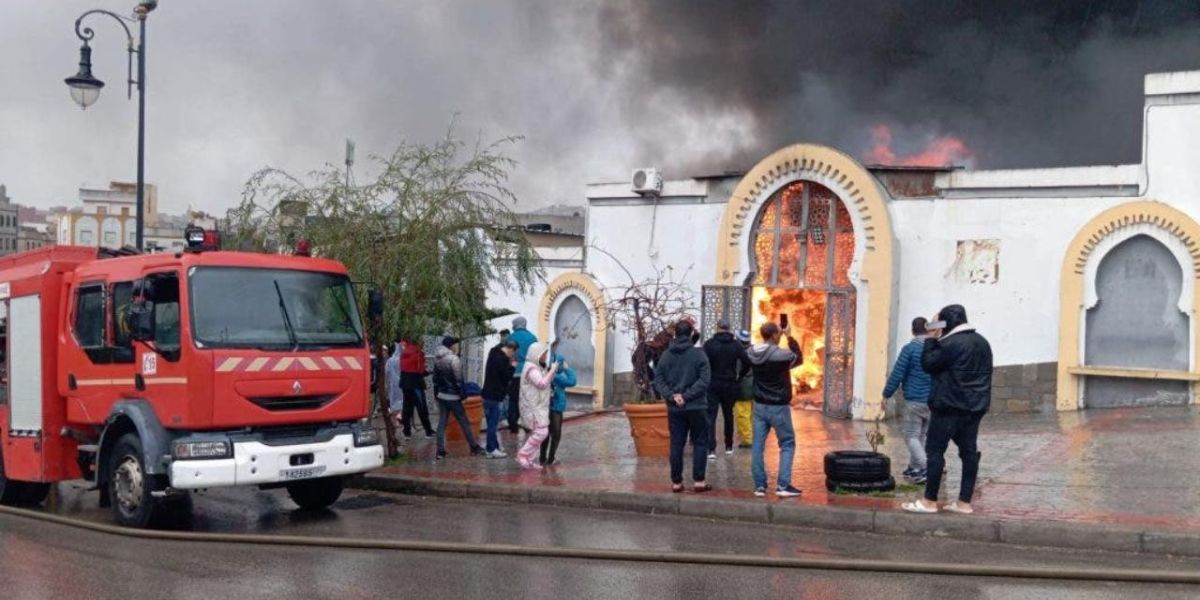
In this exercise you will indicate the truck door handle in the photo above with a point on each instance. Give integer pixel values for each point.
(71, 383)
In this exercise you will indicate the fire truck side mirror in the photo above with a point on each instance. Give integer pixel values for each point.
(141, 322)
(374, 304)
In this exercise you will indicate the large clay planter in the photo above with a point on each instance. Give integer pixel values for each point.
(648, 426)
(474, 406)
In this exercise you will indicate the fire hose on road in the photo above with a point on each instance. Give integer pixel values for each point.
(647, 556)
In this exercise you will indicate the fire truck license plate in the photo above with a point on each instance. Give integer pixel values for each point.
(301, 473)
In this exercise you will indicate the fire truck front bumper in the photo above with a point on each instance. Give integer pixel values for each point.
(264, 461)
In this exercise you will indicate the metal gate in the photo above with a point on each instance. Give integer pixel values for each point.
(838, 385)
(718, 302)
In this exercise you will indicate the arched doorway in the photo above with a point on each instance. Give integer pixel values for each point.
(1136, 323)
(1128, 313)
(572, 311)
(859, 283)
(802, 246)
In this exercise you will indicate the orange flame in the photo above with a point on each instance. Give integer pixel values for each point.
(806, 319)
(940, 152)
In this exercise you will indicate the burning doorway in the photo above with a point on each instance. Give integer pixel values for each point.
(801, 248)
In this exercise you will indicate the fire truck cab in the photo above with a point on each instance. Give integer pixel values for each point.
(153, 375)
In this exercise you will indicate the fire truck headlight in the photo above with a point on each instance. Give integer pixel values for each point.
(201, 450)
(366, 436)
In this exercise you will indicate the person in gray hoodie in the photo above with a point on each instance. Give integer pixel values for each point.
(448, 389)
(772, 367)
(682, 377)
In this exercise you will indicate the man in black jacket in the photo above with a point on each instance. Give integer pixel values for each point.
(497, 374)
(959, 361)
(772, 368)
(682, 377)
(729, 364)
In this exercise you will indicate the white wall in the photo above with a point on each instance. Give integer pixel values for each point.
(1019, 313)
(684, 235)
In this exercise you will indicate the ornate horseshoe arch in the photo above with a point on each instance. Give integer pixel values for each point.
(1175, 230)
(871, 271)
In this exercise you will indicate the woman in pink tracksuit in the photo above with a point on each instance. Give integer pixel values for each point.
(536, 390)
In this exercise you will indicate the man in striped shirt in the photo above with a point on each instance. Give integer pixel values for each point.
(908, 374)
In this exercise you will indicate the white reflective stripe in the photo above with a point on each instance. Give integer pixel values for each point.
(283, 364)
(229, 365)
(257, 364)
(308, 363)
(93, 382)
(353, 363)
(167, 381)
(332, 363)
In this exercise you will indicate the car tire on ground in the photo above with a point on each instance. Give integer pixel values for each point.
(316, 494)
(857, 466)
(883, 485)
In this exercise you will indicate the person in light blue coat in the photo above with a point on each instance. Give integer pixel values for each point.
(395, 394)
(909, 375)
(563, 379)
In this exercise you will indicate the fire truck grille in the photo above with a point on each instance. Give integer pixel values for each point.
(275, 403)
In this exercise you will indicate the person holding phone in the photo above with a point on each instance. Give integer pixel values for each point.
(772, 367)
(959, 361)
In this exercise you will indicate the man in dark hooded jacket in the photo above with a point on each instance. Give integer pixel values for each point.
(729, 364)
(682, 377)
(959, 360)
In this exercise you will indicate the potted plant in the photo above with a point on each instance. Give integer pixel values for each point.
(648, 310)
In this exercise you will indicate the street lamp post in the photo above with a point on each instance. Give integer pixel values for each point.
(85, 88)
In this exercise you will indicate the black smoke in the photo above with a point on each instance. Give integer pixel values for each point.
(1024, 82)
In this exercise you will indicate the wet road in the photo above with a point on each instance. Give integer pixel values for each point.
(39, 560)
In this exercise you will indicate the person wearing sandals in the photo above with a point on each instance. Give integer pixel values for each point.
(959, 360)
(682, 378)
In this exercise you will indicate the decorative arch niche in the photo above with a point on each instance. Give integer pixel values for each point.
(1176, 231)
(572, 287)
(870, 272)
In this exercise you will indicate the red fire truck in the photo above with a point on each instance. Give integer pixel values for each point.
(153, 375)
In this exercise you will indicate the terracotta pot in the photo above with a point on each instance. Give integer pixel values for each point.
(474, 406)
(648, 426)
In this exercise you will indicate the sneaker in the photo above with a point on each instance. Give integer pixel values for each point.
(787, 492)
(909, 472)
(477, 451)
(918, 477)
(429, 435)
(712, 456)
(729, 452)
(497, 453)
(440, 455)
(760, 492)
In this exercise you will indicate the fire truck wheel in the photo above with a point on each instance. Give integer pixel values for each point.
(316, 494)
(130, 486)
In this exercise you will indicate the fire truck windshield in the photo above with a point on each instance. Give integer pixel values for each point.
(275, 309)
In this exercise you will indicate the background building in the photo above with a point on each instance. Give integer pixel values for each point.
(1084, 279)
(8, 223)
(107, 218)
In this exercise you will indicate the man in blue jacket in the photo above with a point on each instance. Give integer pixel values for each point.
(524, 339)
(908, 374)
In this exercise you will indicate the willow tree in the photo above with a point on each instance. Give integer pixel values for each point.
(433, 232)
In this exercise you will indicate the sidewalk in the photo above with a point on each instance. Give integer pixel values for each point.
(1130, 470)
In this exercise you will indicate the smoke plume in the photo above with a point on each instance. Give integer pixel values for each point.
(1023, 83)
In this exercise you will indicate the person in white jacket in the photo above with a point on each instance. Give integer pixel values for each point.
(395, 395)
(536, 379)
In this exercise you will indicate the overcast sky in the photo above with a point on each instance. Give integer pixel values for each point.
(596, 88)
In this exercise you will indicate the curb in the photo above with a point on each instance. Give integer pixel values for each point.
(1053, 534)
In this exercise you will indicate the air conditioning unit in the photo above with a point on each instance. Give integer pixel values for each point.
(647, 182)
